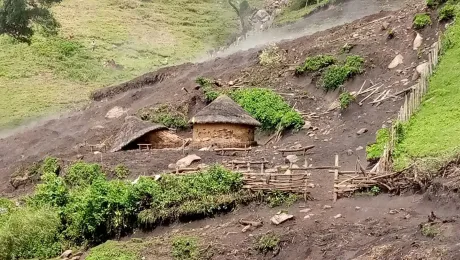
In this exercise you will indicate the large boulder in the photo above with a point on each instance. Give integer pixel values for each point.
(418, 41)
(399, 59)
(187, 161)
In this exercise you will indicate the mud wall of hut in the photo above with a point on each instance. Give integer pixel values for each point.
(223, 135)
(160, 139)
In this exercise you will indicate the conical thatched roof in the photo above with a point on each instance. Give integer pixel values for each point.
(224, 110)
(132, 129)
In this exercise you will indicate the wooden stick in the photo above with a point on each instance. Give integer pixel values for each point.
(314, 168)
(368, 96)
(233, 149)
(336, 175)
(359, 92)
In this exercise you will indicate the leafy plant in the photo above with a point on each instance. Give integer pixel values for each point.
(171, 117)
(316, 63)
(336, 75)
(347, 48)
(270, 56)
(207, 86)
(429, 230)
(421, 20)
(50, 165)
(354, 64)
(375, 190)
(345, 99)
(267, 243)
(83, 174)
(374, 151)
(278, 198)
(185, 248)
(269, 108)
(447, 12)
(121, 171)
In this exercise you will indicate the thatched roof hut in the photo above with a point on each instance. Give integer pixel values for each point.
(133, 130)
(224, 110)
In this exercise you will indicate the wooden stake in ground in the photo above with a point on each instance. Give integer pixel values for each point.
(336, 177)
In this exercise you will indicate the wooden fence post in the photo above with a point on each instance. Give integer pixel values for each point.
(336, 177)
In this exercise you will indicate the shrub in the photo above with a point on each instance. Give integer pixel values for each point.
(166, 115)
(121, 171)
(374, 151)
(52, 191)
(354, 64)
(51, 165)
(185, 248)
(447, 12)
(421, 20)
(30, 233)
(345, 99)
(334, 77)
(316, 63)
(269, 108)
(207, 85)
(270, 56)
(83, 174)
(375, 190)
(278, 198)
(429, 230)
(267, 243)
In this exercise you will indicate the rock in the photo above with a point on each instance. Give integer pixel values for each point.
(295, 166)
(399, 59)
(307, 216)
(407, 216)
(172, 166)
(422, 68)
(202, 166)
(361, 131)
(415, 75)
(187, 161)
(359, 148)
(204, 149)
(392, 212)
(261, 14)
(327, 207)
(297, 146)
(115, 112)
(231, 83)
(349, 152)
(281, 218)
(292, 158)
(404, 80)
(66, 253)
(305, 210)
(355, 35)
(307, 125)
(385, 25)
(311, 185)
(418, 41)
(357, 208)
(79, 156)
(338, 216)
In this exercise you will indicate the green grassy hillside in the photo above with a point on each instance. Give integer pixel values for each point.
(140, 35)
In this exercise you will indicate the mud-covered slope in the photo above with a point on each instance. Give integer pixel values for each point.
(67, 136)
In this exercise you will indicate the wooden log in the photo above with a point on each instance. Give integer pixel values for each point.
(302, 149)
(336, 175)
(251, 162)
(368, 96)
(314, 168)
(276, 174)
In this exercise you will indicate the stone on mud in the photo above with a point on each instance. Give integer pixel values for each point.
(399, 59)
(281, 218)
(418, 41)
(187, 161)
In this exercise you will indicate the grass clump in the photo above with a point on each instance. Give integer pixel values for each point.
(126, 250)
(267, 243)
(207, 85)
(429, 230)
(171, 117)
(421, 20)
(268, 108)
(336, 75)
(447, 12)
(270, 56)
(316, 63)
(432, 133)
(299, 9)
(345, 99)
(375, 151)
(278, 198)
(185, 248)
(121, 171)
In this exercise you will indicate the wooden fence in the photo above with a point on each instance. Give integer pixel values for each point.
(412, 101)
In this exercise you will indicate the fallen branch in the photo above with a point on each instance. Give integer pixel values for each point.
(368, 96)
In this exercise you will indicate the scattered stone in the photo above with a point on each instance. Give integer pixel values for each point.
(292, 158)
(66, 253)
(295, 166)
(415, 75)
(115, 112)
(422, 68)
(288, 172)
(349, 152)
(305, 210)
(385, 25)
(404, 80)
(307, 125)
(327, 207)
(361, 131)
(172, 166)
(407, 216)
(399, 59)
(392, 212)
(338, 216)
(355, 35)
(307, 216)
(357, 208)
(281, 218)
(187, 161)
(204, 149)
(418, 41)
(311, 185)
(359, 148)
(79, 156)
(231, 83)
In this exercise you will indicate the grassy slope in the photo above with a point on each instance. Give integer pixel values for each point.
(58, 73)
(434, 131)
(289, 16)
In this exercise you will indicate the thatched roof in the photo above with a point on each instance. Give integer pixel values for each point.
(224, 110)
(132, 129)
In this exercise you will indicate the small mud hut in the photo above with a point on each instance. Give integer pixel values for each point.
(223, 123)
(135, 132)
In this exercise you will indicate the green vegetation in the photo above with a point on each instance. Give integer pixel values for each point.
(345, 99)
(167, 115)
(122, 250)
(447, 12)
(207, 85)
(121, 171)
(269, 108)
(347, 48)
(267, 243)
(375, 190)
(96, 48)
(336, 75)
(421, 20)
(316, 63)
(299, 9)
(278, 198)
(430, 137)
(185, 248)
(435, 3)
(375, 151)
(270, 56)
(429, 230)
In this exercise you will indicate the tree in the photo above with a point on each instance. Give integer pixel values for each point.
(18, 16)
(243, 10)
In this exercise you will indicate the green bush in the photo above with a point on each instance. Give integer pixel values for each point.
(185, 248)
(345, 99)
(334, 77)
(269, 108)
(166, 115)
(51, 165)
(278, 198)
(447, 12)
(121, 171)
(354, 64)
(316, 63)
(30, 233)
(207, 86)
(83, 174)
(421, 20)
(435, 3)
(375, 151)
(52, 191)
(270, 56)
(267, 243)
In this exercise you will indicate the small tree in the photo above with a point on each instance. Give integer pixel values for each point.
(18, 16)
(243, 10)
